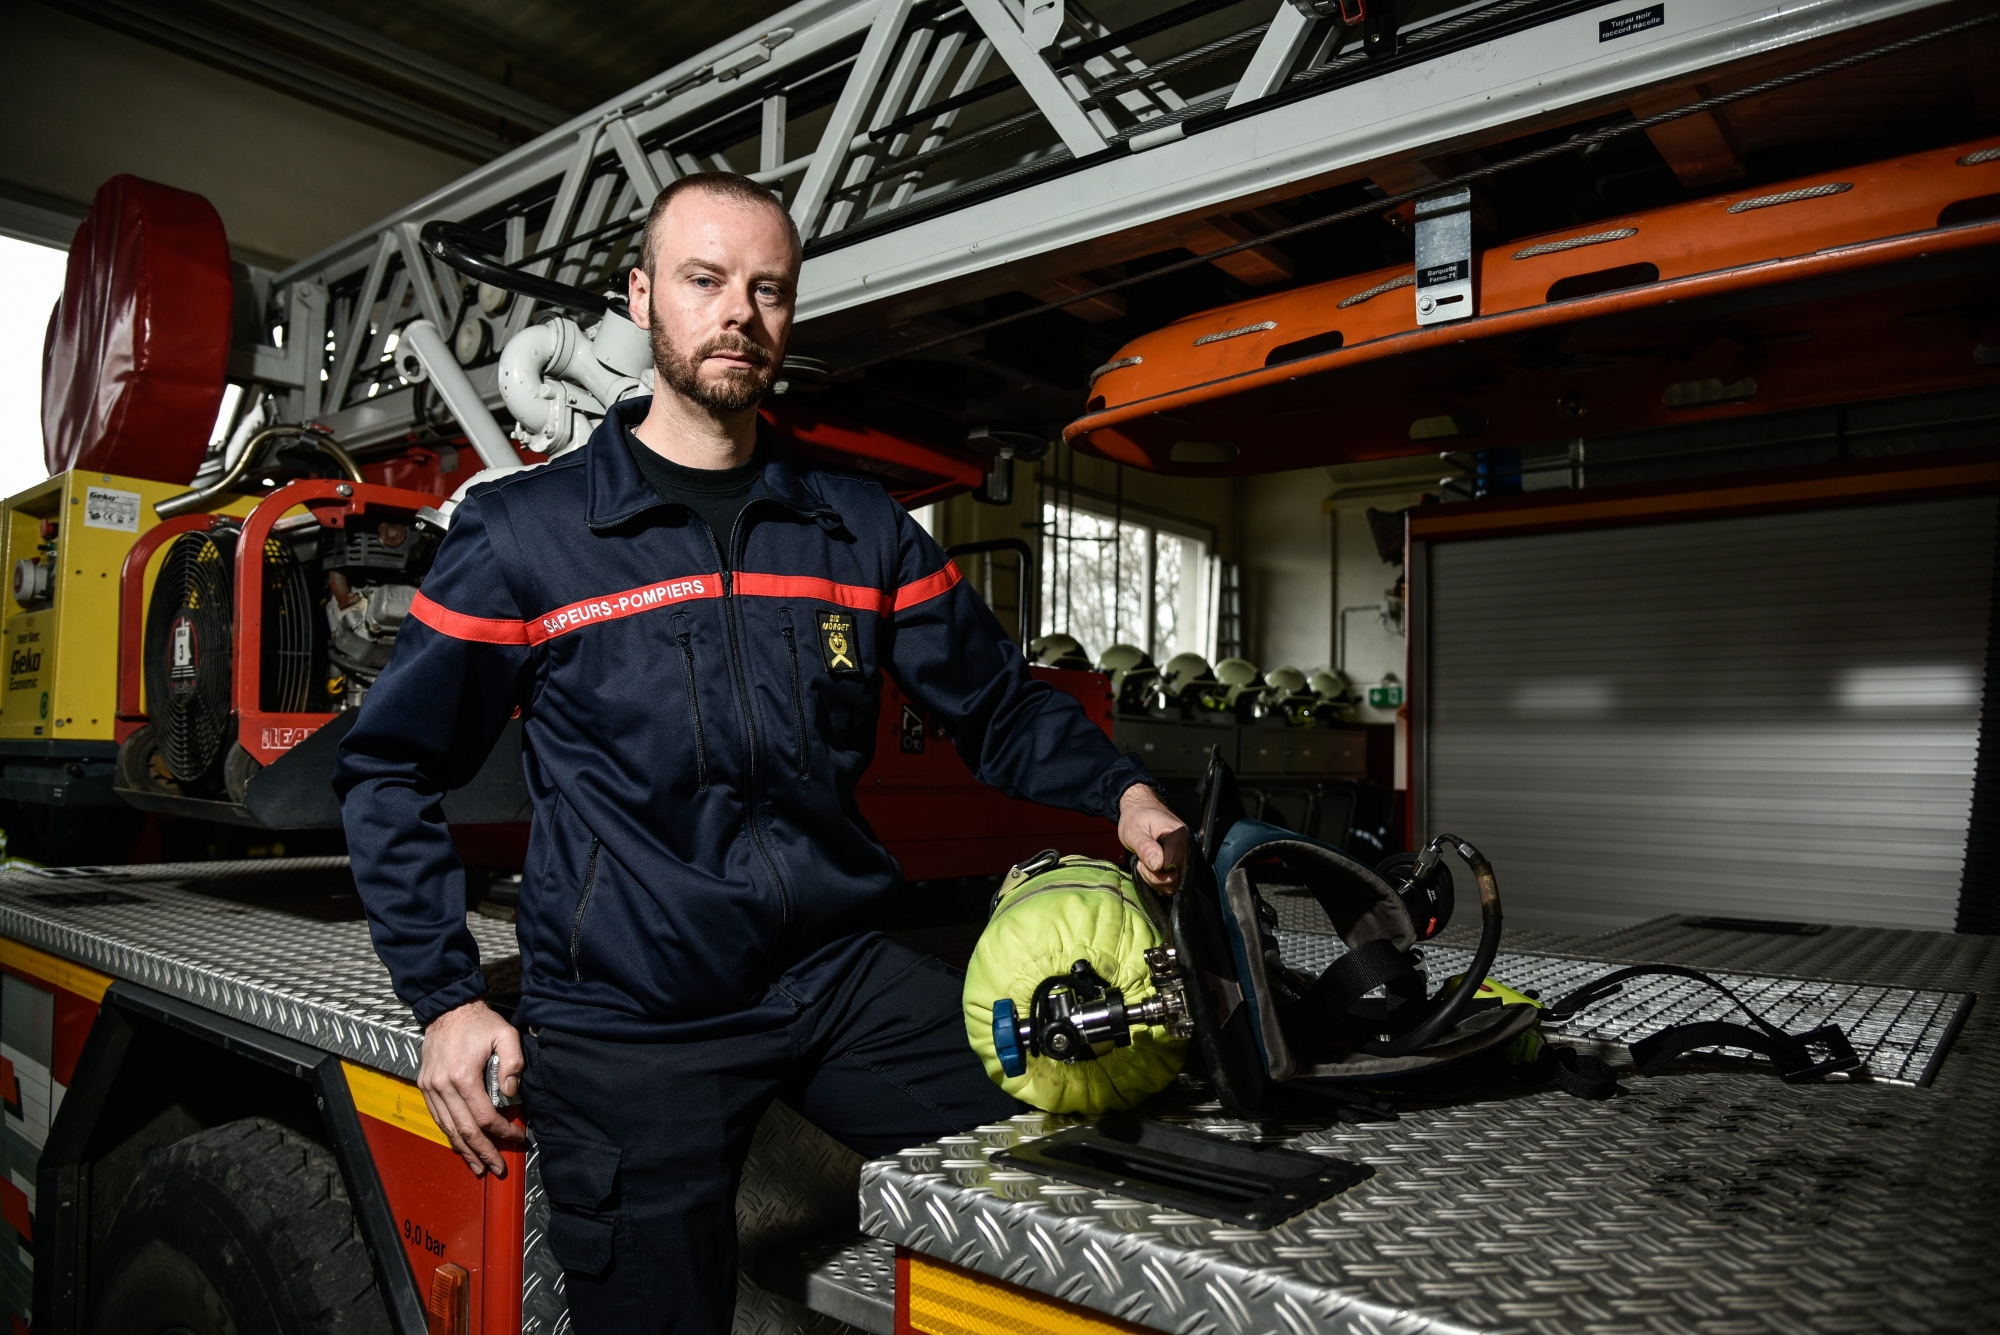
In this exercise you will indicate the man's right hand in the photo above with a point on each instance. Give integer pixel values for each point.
(452, 1077)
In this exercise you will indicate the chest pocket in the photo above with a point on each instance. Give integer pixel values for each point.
(684, 640)
(801, 741)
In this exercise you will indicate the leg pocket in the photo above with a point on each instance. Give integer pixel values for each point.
(581, 1179)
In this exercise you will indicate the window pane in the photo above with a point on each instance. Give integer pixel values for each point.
(1180, 603)
(1093, 588)
(1166, 596)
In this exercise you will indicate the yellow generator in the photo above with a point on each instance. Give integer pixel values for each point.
(65, 546)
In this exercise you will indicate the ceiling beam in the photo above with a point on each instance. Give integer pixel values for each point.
(371, 50)
(286, 71)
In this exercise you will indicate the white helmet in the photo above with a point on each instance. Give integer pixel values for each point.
(1286, 680)
(1122, 658)
(1058, 651)
(1329, 685)
(1183, 671)
(1236, 672)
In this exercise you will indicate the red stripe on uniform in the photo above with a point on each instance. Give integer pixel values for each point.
(856, 596)
(482, 630)
(647, 597)
(927, 588)
(612, 606)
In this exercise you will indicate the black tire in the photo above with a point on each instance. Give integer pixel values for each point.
(238, 768)
(239, 1230)
(139, 765)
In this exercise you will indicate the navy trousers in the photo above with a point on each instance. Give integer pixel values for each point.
(642, 1144)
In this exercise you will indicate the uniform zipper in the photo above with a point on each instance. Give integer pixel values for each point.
(582, 903)
(694, 708)
(749, 719)
(798, 695)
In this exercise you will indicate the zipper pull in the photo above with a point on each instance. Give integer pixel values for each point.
(727, 582)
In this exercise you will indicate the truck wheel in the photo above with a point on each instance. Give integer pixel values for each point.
(239, 1230)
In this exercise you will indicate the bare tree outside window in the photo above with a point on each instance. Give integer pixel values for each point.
(1136, 583)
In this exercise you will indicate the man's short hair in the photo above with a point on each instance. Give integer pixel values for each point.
(725, 185)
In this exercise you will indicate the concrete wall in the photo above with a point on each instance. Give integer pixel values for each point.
(1288, 569)
(82, 103)
(1373, 649)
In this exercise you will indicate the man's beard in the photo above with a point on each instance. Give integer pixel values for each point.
(734, 390)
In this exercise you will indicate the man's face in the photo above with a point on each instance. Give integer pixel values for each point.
(718, 304)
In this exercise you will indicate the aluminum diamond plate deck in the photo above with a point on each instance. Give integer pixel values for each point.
(279, 944)
(312, 980)
(1713, 1202)
(1709, 1202)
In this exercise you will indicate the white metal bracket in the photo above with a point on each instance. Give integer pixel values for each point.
(1040, 82)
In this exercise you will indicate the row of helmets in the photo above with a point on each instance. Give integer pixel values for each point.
(1187, 687)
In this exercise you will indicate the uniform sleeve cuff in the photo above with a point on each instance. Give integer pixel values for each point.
(449, 997)
(1123, 773)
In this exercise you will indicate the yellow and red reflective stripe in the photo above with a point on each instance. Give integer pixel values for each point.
(649, 597)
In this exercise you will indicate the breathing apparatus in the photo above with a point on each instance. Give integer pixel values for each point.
(1085, 991)
(1421, 889)
(1074, 998)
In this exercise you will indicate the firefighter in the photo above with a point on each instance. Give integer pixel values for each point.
(693, 625)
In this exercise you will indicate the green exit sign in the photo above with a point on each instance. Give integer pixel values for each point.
(1386, 696)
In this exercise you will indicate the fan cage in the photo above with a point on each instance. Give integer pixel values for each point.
(292, 632)
(189, 652)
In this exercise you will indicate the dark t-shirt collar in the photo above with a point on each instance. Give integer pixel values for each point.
(669, 477)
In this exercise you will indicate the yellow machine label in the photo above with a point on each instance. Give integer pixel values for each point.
(24, 650)
(30, 643)
(945, 1300)
(61, 617)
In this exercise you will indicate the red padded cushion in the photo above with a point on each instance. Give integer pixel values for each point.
(138, 348)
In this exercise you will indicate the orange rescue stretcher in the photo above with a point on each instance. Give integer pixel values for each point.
(1864, 283)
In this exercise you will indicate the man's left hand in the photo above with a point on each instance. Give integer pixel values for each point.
(1155, 835)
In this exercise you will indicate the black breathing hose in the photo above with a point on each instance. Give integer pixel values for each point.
(1446, 1016)
(464, 249)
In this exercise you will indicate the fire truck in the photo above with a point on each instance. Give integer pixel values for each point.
(1208, 239)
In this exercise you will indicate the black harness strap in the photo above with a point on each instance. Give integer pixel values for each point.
(1581, 1076)
(1793, 1055)
(1370, 965)
(1798, 1057)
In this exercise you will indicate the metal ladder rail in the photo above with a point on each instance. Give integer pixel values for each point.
(874, 232)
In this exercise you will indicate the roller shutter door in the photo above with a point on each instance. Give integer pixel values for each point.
(1773, 716)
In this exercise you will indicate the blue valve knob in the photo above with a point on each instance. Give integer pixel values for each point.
(1007, 1038)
